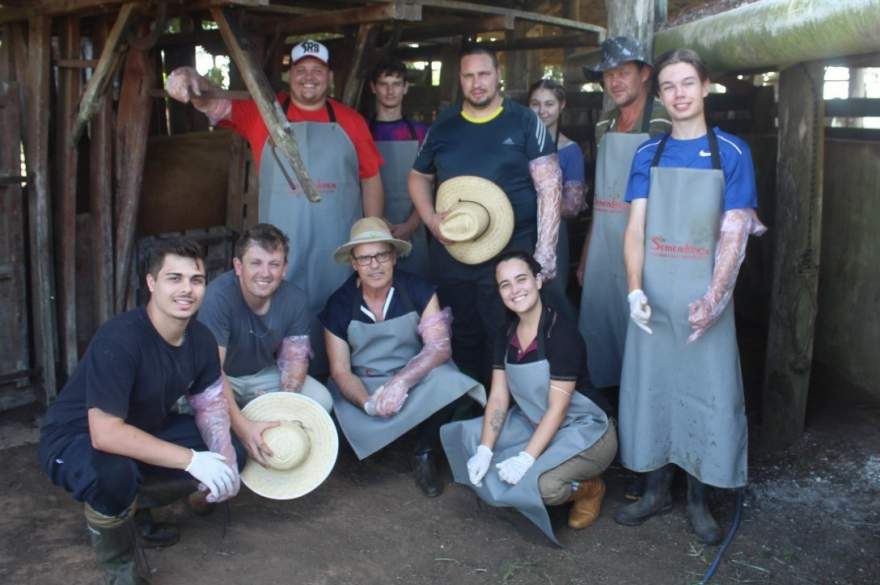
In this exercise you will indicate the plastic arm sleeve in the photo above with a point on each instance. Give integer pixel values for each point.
(435, 332)
(293, 361)
(547, 177)
(736, 227)
(573, 200)
(184, 82)
(211, 412)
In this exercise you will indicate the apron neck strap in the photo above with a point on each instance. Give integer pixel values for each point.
(410, 126)
(331, 115)
(646, 115)
(713, 149)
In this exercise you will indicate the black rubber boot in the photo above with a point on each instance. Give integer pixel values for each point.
(655, 500)
(155, 534)
(116, 548)
(698, 513)
(635, 489)
(155, 494)
(426, 475)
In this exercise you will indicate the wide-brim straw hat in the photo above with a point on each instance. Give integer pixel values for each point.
(370, 230)
(304, 445)
(480, 219)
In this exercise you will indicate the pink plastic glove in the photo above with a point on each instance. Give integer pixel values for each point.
(573, 199)
(212, 418)
(184, 83)
(736, 227)
(293, 361)
(436, 349)
(547, 177)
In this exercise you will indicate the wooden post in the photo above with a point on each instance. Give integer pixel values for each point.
(268, 106)
(111, 56)
(798, 228)
(133, 122)
(39, 200)
(356, 75)
(101, 194)
(65, 218)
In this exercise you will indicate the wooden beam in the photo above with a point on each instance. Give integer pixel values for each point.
(333, 20)
(111, 56)
(455, 5)
(133, 123)
(357, 73)
(65, 197)
(798, 232)
(101, 194)
(269, 108)
(39, 200)
(76, 63)
(457, 28)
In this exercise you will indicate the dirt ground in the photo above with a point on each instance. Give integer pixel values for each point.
(812, 516)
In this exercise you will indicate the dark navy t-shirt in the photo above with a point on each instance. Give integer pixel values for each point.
(740, 191)
(252, 340)
(408, 292)
(499, 150)
(131, 372)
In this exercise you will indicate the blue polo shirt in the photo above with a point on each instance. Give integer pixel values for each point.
(740, 191)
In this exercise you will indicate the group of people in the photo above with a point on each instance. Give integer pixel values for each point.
(434, 266)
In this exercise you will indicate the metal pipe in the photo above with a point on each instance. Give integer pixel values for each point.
(778, 33)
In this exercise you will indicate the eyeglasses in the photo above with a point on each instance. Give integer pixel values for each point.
(381, 258)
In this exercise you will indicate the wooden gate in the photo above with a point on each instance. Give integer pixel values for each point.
(14, 341)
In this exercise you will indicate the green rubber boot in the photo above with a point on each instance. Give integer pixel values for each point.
(155, 494)
(701, 519)
(116, 548)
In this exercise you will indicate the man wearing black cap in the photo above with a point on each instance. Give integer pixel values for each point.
(625, 71)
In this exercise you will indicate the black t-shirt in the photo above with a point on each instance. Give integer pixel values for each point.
(499, 149)
(408, 292)
(131, 372)
(564, 349)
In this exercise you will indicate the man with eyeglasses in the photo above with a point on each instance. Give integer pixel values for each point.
(388, 344)
(261, 324)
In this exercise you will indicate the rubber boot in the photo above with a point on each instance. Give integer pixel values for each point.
(655, 501)
(116, 547)
(635, 489)
(426, 475)
(698, 513)
(156, 494)
(587, 500)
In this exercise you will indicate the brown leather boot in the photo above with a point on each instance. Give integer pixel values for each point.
(587, 503)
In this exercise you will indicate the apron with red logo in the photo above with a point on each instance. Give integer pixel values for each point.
(315, 229)
(604, 309)
(682, 402)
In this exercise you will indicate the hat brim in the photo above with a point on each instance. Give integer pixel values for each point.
(293, 483)
(342, 255)
(501, 218)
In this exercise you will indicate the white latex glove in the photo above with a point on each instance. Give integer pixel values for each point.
(639, 309)
(210, 468)
(370, 407)
(478, 465)
(514, 468)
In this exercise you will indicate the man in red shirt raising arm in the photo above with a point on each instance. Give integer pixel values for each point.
(340, 157)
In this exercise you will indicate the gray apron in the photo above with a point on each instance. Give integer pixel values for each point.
(529, 384)
(604, 308)
(682, 403)
(378, 351)
(315, 229)
(399, 156)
